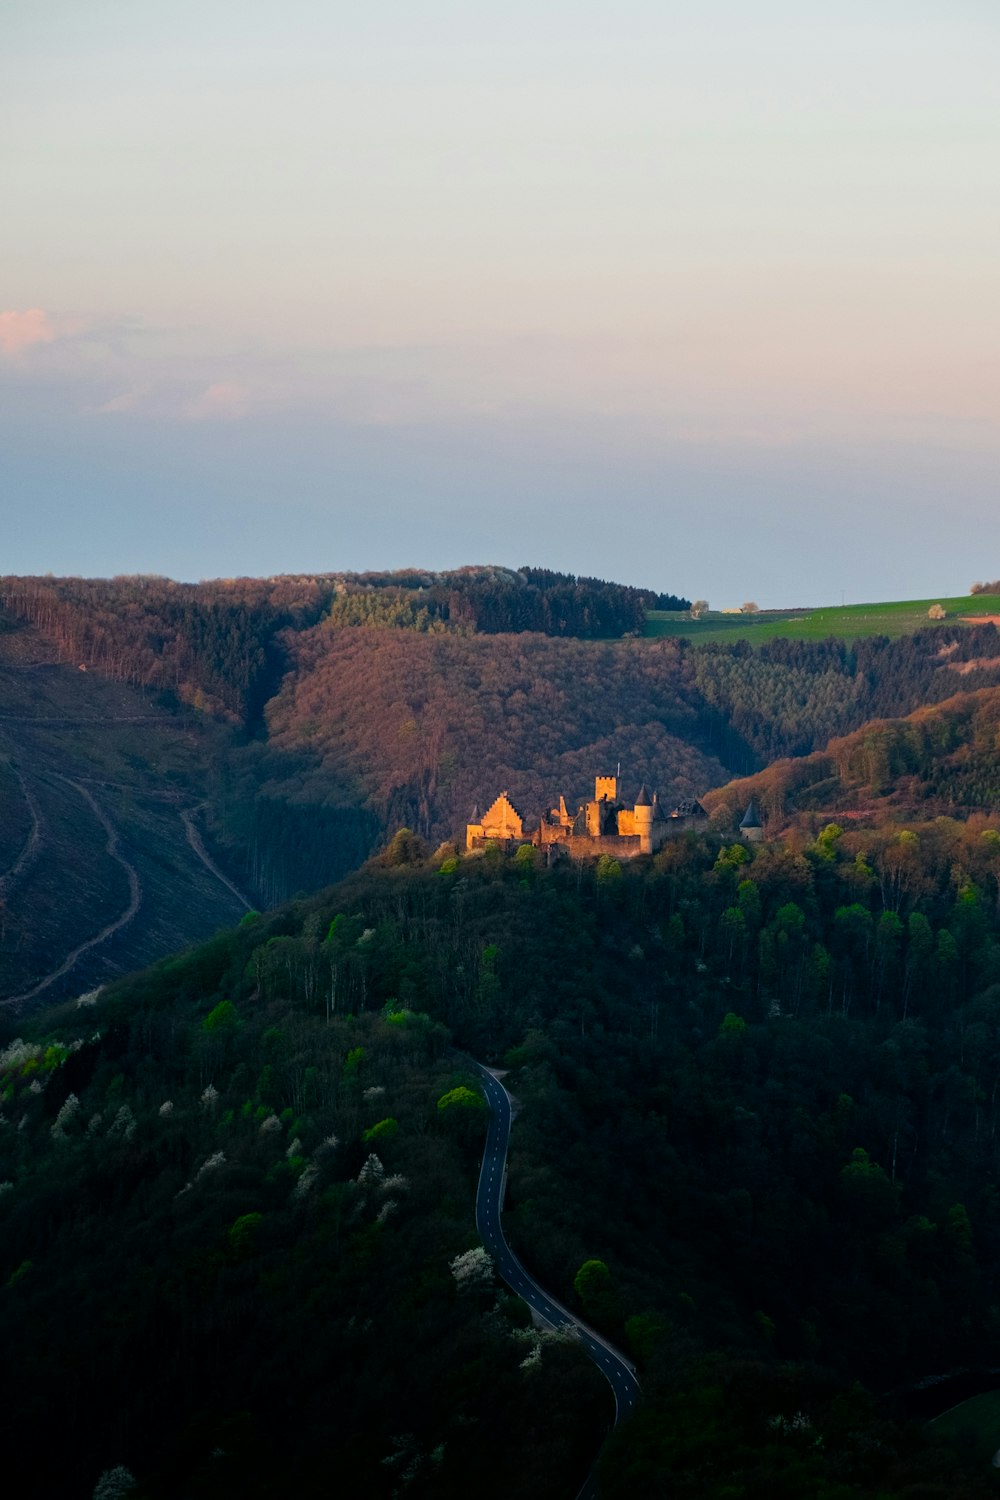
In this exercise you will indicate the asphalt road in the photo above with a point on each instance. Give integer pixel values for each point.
(489, 1200)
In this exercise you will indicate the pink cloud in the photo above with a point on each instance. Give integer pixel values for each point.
(126, 401)
(20, 330)
(222, 402)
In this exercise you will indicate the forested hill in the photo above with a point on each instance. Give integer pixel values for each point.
(943, 758)
(215, 644)
(357, 709)
(758, 1144)
(417, 728)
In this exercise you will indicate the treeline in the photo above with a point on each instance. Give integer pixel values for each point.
(498, 601)
(212, 645)
(217, 645)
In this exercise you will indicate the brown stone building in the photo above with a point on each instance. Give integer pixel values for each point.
(605, 825)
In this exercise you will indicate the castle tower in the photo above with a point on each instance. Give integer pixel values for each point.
(643, 814)
(600, 812)
(606, 786)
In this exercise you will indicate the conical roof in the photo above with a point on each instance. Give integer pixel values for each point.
(750, 818)
(643, 798)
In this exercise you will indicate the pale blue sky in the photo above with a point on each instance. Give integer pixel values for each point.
(705, 298)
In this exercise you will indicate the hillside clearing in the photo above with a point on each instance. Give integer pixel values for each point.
(850, 621)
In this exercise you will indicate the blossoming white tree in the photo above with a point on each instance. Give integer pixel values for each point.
(472, 1269)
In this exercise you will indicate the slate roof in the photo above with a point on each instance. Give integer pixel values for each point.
(690, 808)
(750, 818)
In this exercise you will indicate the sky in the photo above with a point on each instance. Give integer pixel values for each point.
(703, 298)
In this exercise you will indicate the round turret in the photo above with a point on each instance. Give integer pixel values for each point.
(643, 815)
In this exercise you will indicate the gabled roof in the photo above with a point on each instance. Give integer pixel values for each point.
(501, 801)
(750, 818)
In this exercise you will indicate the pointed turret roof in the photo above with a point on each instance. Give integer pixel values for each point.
(643, 798)
(750, 818)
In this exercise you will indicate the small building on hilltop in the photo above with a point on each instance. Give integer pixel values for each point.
(751, 828)
(605, 825)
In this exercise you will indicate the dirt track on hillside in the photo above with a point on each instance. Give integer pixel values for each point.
(26, 858)
(135, 897)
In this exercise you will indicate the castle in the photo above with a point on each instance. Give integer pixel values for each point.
(605, 825)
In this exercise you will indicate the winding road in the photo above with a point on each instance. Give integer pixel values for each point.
(613, 1365)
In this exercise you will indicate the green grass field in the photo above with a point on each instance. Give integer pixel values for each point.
(979, 1419)
(849, 621)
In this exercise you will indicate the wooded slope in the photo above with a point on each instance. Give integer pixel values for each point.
(759, 1101)
(943, 758)
(422, 727)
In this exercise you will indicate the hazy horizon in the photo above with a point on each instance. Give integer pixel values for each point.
(706, 302)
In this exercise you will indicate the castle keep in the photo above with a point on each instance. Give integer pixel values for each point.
(605, 825)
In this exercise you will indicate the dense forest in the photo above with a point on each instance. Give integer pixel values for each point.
(758, 1088)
